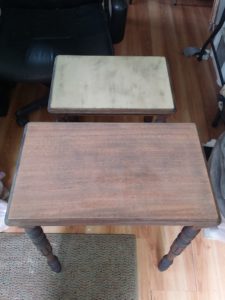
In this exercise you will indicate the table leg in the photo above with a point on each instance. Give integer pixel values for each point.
(185, 237)
(148, 119)
(40, 240)
(68, 118)
(160, 118)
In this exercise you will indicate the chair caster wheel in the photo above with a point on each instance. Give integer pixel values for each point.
(215, 124)
(191, 51)
(22, 121)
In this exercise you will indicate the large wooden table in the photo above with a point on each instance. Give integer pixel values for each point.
(102, 85)
(107, 173)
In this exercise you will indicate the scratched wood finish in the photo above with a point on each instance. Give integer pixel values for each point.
(74, 173)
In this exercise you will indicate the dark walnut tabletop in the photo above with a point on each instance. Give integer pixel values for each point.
(111, 173)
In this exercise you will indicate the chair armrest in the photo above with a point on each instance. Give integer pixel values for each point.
(118, 16)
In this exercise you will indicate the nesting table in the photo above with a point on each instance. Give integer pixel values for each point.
(111, 173)
(111, 85)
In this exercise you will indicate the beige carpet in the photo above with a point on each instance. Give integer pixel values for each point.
(95, 267)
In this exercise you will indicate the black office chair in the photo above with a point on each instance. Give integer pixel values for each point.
(33, 32)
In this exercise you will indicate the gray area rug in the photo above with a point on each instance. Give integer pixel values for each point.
(94, 267)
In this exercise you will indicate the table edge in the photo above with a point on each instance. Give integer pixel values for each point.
(107, 221)
(113, 111)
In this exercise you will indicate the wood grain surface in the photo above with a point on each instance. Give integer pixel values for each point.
(104, 173)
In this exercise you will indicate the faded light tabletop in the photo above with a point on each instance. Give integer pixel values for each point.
(111, 85)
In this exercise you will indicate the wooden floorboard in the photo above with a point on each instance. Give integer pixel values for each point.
(154, 27)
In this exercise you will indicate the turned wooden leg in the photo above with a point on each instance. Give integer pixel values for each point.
(155, 119)
(187, 234)
(40, 240)
(148, 119)
(160, 119)
(68, 118)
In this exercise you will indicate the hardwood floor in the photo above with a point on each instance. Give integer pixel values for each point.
(154, 27)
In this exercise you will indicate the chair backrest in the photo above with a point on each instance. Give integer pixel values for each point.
(44, 4)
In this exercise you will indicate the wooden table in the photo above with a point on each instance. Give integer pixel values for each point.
(101, 85)
(111, 173)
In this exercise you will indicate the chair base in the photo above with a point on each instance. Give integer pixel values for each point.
(22, 114)
(5, 88)
(4, 107)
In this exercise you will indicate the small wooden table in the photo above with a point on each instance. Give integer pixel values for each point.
(111, 173)
(101, 85)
